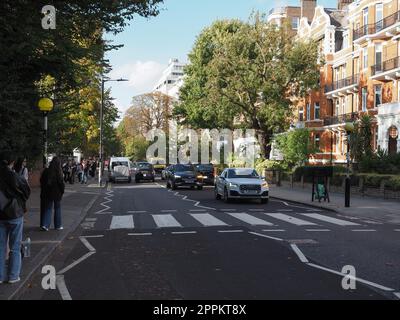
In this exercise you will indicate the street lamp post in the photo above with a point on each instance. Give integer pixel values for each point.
(45, 105)
(101, 153)
(349, 127)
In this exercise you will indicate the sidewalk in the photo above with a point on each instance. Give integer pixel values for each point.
(78, 199)
(387, 211)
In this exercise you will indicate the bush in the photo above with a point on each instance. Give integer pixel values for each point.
(374, 181)
(393, 184)
(381, 163)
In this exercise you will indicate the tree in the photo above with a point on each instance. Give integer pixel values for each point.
(296, 146)
(244, 75)
(361, 139)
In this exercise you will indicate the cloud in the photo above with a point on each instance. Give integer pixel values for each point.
(142, 75)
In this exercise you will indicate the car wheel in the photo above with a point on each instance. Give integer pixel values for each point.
(226, 196)
(168, 185)
(173, 186)
(217, 195)
(130, 180)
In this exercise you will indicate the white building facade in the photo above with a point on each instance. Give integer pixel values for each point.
(172, 79)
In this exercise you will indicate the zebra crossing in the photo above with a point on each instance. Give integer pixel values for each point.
(224, 219)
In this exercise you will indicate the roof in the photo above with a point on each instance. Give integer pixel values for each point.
(338, 17)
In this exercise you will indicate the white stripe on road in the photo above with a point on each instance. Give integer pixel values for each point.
(137, 211)
(365, 230)
(300, 254)
(99, 236)
(330, 219)
(264, 236)
(87, 255)
(184, 232)
(281, 230)
(285, 210)
(168, 211)
(230, 231)
(397, 294)
(202, 210)
(250, 219)
(62, 288)
(208, 220)
(140, 234)
(227, 210)
(291, 220)
(318, 230)
(375, 285)
(166, 221)
(87, 244)
(122, 222)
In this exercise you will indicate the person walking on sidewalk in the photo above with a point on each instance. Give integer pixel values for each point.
(52, 191)
(21, 169)
(14, 193)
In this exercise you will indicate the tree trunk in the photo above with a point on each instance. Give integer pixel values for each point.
(265, 143)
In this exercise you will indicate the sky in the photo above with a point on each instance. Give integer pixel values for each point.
(150, 43)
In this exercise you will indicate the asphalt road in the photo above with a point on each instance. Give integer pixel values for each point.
(142, 241)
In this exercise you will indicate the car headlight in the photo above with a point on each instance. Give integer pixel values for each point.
(233, 185)
(265, 184)
(177, 177)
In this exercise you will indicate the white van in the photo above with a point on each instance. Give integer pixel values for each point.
(120, 169)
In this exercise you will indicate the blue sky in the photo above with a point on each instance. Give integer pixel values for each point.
(150, 43)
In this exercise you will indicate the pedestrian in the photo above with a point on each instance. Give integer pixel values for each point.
(52, 191)
(85, 171)
(21, 169)
(79, 171)
(14, 193)
(65, 170)
(93, 168)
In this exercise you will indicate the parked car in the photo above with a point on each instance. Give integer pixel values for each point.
(181, 175)
(206, 172)
(241, 184)
(144, 171)
(120, 169)
(164, 173)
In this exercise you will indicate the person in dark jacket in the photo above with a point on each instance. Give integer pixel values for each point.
(52, 190)
(14, 193)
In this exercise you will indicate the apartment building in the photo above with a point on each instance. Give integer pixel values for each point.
(172, 79)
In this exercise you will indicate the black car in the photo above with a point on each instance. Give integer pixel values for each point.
(182, 175)
(206, 171)
(144, 171)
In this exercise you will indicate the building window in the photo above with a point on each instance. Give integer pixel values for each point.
(365, 18)
(378, 95)
(295, 23)
(365, 58)
(337, 107)
(379, 16)
(378, 57)
(308, 112)
(316, 111)
(356, 102)
(317, 140)
(345, 41)
(301, 114)
(364, 99)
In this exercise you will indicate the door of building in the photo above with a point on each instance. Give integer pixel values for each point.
(393, 137)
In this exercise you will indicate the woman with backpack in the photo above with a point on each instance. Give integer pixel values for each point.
(21, 169)
(52, 190)
(14, 193)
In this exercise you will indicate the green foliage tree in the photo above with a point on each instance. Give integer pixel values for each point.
(244, 75)
(296, 147)
(361, 139)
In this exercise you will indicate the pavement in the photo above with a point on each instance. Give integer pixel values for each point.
(378, 209)
(77, 200)
(145, 242)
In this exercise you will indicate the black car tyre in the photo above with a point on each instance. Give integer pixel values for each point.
(217, 195)
(173, 186)
(130, 180)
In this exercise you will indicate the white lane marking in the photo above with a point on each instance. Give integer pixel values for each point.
(289, 219)
(208, 220)
(140, 211)
(201, 210)
(87, 244)
(250, 219)
(300, 254)
(365, 230)
(104, 204)
(207, 208)
(62, 288)
(91, 219)
(122, 222)
(397, 230)
(166, 221)
(98, 236)
(81, 259)
(397, 294)
(278, 230)
(285, 210)
(264, 236)
(184, 232)
(330, 219)
(169, 211)
(372, 284)
(140, 234)
(227, 210)
(318, 230)
(230, 231)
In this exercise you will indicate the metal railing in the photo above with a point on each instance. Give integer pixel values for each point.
(370, 29)
(343, 83)
(385, 66)
(341, 119)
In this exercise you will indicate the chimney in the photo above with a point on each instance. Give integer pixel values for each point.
(308, 9)
(342, 4)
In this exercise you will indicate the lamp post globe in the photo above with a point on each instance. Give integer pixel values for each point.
(45, 105)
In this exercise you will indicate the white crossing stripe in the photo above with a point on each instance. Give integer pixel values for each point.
(122, 222)
(208, 220)
(291, 220)
(166, 221)
(330, 219)
(250, 219)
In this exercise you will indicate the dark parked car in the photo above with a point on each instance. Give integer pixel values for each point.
(182, 175)
(206, 171)
(144, 171)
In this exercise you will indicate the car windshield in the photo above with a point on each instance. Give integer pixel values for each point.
(205, 167)
(243, 174)
(183, 168)
(119, 164)
(144, 166)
